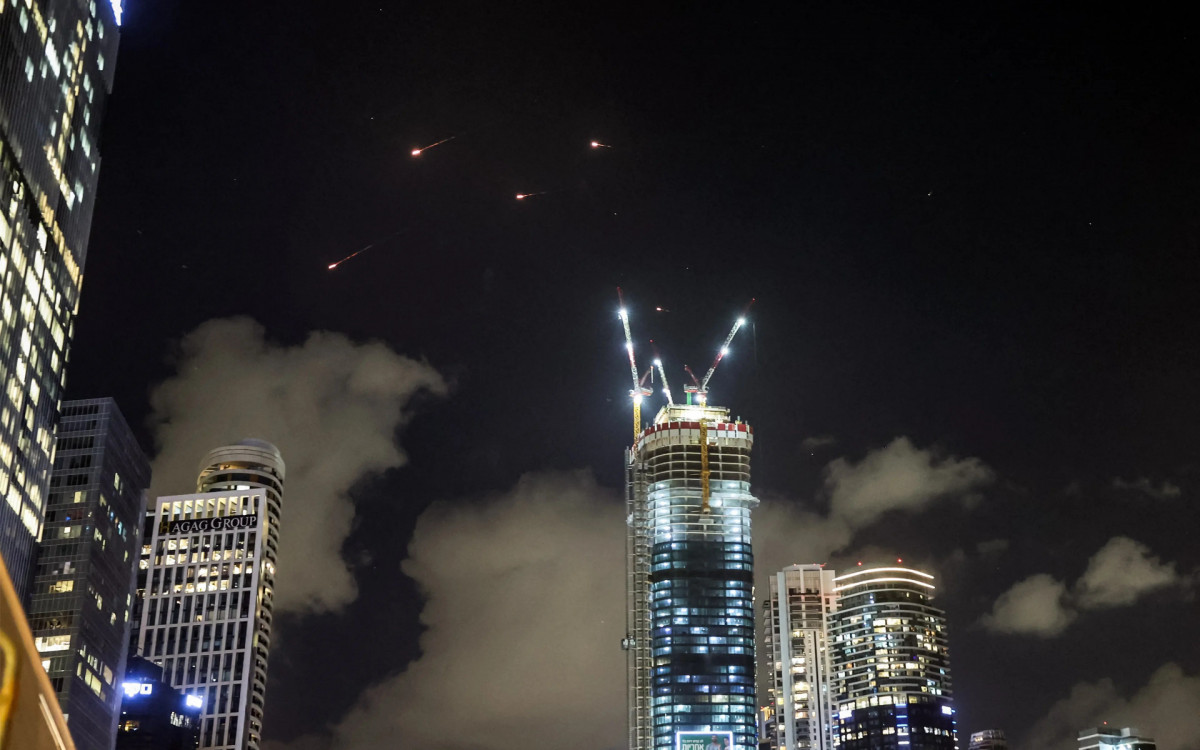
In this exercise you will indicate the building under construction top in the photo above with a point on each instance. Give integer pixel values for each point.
(690, 637)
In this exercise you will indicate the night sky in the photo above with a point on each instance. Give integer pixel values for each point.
(971, 230)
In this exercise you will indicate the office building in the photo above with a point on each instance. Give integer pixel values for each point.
(56, 71)
(1111, 738)
(690, 634)
(796, 616)
(79, 606)
(988, 739)
(154, 715)
(206, 618)
(891, 666)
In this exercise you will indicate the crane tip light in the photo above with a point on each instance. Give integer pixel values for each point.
(741, 321)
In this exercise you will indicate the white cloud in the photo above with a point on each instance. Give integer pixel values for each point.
(330, 405)
(1035, 606)
(1167, 708)
(524, 615)
(1166, 491)
(1120, 573)
(899, 476)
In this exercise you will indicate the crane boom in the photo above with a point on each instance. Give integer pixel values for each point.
(666, 387)
(628, 340)
(639, 391)
(741, 321)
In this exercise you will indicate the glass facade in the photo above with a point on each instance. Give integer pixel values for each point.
(891, 662)
(79, 606)
(691, 626)
(56, 71)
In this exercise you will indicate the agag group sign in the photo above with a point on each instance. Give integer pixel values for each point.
(204, 525)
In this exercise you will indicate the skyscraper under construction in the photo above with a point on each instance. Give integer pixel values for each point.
(690, 636)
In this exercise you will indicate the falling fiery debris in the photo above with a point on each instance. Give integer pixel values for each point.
(348, 257)
(523, 196)
(417, 151)
(598, 144)
(337, 263)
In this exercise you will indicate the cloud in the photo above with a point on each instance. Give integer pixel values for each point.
(524, 615)
(330, 405)
(1165, 491)
(1167, 707)
(1035, 606)
(812, 442)
(1120, 573)
(899, 476)
(992, 547)
(525, 607)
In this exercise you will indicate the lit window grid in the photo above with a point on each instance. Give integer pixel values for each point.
(37, 305)
(707, 617)
(238, 721)
(795, 636)
(82, 596)
(889, 648)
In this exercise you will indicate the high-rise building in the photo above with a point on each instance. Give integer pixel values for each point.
(154, 715)
(690, 636)
(891, 663)
(79, 606)
(1111, 738)
(56, 71)
(206, 618)
(797, 611)
(988, 739)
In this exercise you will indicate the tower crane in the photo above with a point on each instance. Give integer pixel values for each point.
(700, 389)
(639, 391)
(662, 374)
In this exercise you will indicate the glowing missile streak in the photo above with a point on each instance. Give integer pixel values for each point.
(351, 255)
(523, 196)
(363, 250)
(598, 144)
(417, 151)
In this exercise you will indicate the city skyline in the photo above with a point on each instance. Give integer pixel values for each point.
(970, 234)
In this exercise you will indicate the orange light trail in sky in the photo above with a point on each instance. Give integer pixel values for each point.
(417, 151)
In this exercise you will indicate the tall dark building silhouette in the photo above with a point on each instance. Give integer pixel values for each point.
(56, 71)
(79, 607)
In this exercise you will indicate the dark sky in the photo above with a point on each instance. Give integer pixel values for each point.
(971, 225)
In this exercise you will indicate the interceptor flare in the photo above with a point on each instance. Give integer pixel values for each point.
(598, 144)
(417, 151)
(351, 255)
(523, 196)
(335, 264)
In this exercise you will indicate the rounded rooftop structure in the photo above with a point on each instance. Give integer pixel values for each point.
(250, 451)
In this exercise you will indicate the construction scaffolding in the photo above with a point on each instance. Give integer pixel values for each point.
(637, 595)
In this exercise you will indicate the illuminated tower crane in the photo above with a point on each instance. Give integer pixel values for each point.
(700, 387)
(690, 569)
(639, 391)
